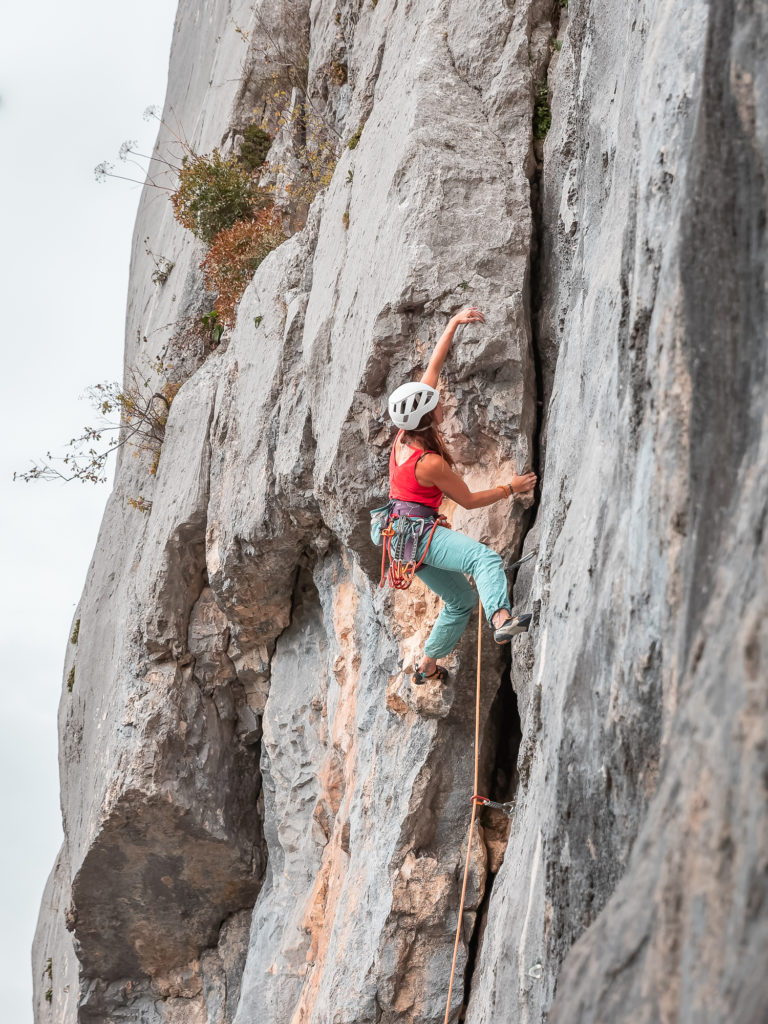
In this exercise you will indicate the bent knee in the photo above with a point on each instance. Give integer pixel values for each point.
(462, 607)
(486, 559)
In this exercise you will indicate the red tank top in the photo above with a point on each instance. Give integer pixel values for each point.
(403, 484)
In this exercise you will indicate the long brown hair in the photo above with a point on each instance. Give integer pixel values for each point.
(429, 437)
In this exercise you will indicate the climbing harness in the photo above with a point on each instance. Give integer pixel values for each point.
(477, 801)
(407, 523)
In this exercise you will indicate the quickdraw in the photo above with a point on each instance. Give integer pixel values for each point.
(483, 801)
(401, 538)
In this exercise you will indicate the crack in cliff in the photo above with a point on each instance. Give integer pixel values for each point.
(536, 286)
(506, 776)
(505, 718)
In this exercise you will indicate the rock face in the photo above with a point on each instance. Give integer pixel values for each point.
(264, 820)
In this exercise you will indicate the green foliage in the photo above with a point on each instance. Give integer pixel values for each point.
(254, 147)
(350, 176)
(557, 44)
(542, 115)
(290, 109)
(213, 194)
(257, 320)
(352, 144)
(345, 219)
(71, 679)
(213, 326)
(49, 995)
(197, 333)
(75, 633)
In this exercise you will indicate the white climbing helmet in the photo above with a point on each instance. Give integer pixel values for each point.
(409, 402)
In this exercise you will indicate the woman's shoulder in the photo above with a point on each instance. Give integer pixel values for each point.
(428, 466)
(430, 458)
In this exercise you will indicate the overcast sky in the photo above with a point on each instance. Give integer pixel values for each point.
(74, 81)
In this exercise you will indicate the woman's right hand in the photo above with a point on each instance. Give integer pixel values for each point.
(521, 484)
(470, 315)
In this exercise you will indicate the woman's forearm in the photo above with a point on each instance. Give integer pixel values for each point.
(439, 355)
(470, 315)
(479, 499)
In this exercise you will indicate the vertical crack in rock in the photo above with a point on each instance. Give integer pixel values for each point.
(507, 735)
(544, 348)
(503, 738)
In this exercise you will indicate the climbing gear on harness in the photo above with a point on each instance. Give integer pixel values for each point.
(485, 802)
(440, 673)
(406, 523)
(409, 402)
(402, 537)
(510, 628)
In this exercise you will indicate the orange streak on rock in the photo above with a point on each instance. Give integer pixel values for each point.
(337, 780)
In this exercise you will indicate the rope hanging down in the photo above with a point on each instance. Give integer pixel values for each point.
(475, 801)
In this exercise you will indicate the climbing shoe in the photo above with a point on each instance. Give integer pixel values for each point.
(440, 673)
(505, 632)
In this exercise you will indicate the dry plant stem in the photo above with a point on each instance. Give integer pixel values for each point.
(290, 61)
(142, 425)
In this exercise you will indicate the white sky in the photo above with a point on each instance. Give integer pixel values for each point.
(74, 81)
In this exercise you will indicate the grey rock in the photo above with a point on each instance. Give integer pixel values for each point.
(264, 819)
(636, 844)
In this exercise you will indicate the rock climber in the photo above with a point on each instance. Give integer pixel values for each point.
(421, 473)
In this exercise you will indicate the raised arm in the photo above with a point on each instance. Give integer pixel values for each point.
(432, 470)
(469, 315)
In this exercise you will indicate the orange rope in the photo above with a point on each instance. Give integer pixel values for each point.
(474, 809)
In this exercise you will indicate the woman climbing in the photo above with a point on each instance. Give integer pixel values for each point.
(421, 473)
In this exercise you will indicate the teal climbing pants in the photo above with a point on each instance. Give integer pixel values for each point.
(451, 556)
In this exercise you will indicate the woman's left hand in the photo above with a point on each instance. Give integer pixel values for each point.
(522, 484)
(470, 315)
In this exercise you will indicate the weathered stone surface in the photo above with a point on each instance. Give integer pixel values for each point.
(640, 832)
(264, 819)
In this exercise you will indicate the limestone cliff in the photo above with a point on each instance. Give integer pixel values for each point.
(263, 820)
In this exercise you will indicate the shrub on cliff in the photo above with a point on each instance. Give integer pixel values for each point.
(254, 147)
(142, 405)
(213, 193)
(542, 115)
(234, 256)
(315, 145)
